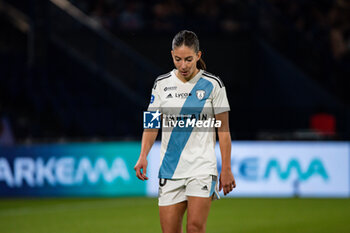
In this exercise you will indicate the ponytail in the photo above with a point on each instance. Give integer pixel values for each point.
(201, 64)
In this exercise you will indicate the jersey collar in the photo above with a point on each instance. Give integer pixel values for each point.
(192, 81)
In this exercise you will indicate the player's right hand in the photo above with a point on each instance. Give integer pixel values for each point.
(141, 168)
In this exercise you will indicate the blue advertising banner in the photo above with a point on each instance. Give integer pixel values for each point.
(76, 169)
(272, 169)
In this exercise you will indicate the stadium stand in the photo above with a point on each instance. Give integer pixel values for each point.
(73, 69)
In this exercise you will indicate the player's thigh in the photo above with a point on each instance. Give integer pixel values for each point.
(172, 204)
(197, 213)
(171, 217)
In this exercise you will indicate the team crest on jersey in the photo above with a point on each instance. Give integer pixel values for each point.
(200, 94)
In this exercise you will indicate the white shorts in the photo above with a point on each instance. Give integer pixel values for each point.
(175, 191)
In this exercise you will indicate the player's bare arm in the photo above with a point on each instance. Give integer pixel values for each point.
(148, 138)
(227, 180)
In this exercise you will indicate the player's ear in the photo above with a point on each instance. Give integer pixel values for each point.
(172, 53)
(199, 55)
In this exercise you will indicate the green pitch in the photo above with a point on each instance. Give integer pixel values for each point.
(140, 215)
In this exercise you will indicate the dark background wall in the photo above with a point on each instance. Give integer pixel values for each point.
(71, 80)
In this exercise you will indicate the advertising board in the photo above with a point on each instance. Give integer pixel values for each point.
(281, 169)
(76, 169)
(261, 169)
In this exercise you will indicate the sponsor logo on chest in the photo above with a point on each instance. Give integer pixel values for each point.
(182, 95)
(173, 88)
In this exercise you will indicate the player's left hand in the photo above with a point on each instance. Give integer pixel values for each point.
(227, 182)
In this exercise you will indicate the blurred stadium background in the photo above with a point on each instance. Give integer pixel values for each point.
(75, 76)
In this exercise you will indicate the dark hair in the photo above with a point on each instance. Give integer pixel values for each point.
(189, 39)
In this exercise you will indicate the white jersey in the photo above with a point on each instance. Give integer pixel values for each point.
(188, 152)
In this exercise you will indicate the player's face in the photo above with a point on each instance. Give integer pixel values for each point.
(185, 60)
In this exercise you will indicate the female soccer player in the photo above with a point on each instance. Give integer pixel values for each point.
(188, 170)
